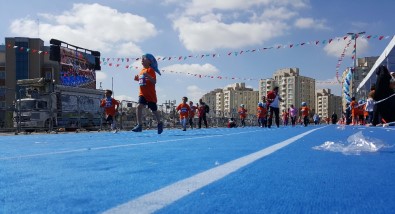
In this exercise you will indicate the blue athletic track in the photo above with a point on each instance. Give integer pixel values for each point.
(314, 169)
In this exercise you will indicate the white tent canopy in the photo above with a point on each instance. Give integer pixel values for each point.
(387, 58)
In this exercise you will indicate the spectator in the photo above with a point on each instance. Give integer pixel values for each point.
(383, 95)
(202, 111)
(231, 123)
(334, 118)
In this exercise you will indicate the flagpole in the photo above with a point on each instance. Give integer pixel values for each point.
(354, 36)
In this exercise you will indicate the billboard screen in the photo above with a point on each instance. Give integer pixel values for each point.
(77, 68)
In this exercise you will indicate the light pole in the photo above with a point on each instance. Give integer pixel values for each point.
(354, 36)
(19, 111)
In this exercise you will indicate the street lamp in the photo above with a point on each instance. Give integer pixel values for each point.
(354, 36)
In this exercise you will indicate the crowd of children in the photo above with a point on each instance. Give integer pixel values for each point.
(356, 112)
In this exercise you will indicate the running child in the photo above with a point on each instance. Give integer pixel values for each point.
(261, 114)
(183, 109)
(147, 93)
(305, 113)
(243, 114)
(192, 113)
(110, 106)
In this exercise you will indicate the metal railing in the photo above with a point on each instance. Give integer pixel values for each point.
(77, 114)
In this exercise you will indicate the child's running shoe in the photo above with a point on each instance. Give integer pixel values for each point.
(160, 128)
(137, 128)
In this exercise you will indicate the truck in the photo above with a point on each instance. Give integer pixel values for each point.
(51, 107)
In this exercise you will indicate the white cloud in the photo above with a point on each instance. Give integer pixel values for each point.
(194, 93)
(310, 23)
(100, 76)
(337, 46)
(207, 25)
(205, 69)
(211, 35)
(124, 97)
(91, 26)
(196, 7)
(280, 13)
(128, 49)
(331, 84)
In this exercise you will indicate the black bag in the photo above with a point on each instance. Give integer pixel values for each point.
(207, 109)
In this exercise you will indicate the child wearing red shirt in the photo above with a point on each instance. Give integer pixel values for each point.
(305, 113)
(243, 114)
(192, 113)
(183, 109)
(110, 106)
(261, 114)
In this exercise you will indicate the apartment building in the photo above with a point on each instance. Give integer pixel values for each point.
(327, 103)
(232, 96)
(21, 58)
(211, 100)
(364, 65)
(293, 88)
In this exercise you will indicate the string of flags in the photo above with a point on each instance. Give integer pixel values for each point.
(24, 49)
(341, 59)
(230, 78)
(118, 61)
(126, 62)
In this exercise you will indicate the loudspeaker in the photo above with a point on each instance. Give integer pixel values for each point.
(96, 54)
(54, 53)
(55, 42)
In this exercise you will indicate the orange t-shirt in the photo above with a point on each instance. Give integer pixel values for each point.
(147, 88)
(261, 112)
(242, 112)
(305, 111)
(109, 105)
(192, 112)
(184, 110)
(354, 109)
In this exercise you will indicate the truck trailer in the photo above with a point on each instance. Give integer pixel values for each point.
(64, 107)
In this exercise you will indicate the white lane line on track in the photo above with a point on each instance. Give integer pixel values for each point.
(159, 199)
(116, 146)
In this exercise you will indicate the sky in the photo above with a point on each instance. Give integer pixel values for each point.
(202, 45)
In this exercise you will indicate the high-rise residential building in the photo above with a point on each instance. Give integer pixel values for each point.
(21, 58)
(232, 96)
(293, 88)
(327, 103)
(210, 100)
(265, 85)
(363, 67)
